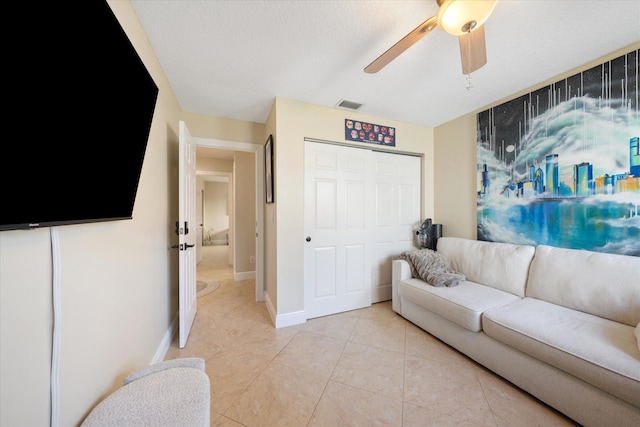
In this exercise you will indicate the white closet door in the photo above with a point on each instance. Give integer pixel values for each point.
(397, 215)
(361, 209)
(338, 228)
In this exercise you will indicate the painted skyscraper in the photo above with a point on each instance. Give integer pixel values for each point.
(584, 179)
(552, 184)
(634, 156)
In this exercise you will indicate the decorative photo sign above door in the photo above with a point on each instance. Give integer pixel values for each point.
(355, 130)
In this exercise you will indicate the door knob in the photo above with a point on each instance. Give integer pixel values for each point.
(182, 247)
(308, 239)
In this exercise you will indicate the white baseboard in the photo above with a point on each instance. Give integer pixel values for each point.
(290, 319)
(161, 352)
(284, 320)
(381, 293)
(244, 275)
(270, 309)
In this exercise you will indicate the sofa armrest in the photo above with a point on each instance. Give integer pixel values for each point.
(187, 362)
(400, 270)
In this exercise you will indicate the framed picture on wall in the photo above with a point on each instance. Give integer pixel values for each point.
(268, 169)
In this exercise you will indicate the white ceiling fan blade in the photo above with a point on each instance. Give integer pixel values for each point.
(405, 43)
(473, 50)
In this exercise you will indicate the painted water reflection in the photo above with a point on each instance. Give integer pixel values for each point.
(592, 223)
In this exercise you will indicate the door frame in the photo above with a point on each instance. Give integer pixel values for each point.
(258, 150)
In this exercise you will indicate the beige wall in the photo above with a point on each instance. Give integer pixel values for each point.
(202, 126)
(245, 211)
(295, 121)
(455, 177)
(25, 327)
(216, 210)
(118, 284)
(209, 164)
(270, 229)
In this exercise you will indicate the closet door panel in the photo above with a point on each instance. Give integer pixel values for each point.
(397, 183)
(337, 216)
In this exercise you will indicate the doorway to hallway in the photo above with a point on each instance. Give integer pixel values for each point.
(258, 165)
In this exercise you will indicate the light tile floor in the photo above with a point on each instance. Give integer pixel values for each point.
(367, 367)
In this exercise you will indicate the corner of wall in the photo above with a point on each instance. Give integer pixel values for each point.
(455, 177)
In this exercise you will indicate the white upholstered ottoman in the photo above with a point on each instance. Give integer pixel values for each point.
(171, 393)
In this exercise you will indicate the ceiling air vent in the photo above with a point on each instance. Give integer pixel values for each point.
(349, 105)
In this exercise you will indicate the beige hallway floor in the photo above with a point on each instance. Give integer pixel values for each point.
(367, 367)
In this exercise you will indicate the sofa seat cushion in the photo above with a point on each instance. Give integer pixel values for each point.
(598, 351)
(462, 304)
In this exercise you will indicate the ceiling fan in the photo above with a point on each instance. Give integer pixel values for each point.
(463, 18)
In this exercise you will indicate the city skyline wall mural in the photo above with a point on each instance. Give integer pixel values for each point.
(560, 166)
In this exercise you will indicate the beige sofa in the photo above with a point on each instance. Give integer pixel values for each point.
(558, 323)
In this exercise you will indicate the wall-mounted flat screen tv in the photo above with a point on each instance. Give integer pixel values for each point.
(81, 103)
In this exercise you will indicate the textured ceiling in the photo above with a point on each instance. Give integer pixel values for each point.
(232, 58)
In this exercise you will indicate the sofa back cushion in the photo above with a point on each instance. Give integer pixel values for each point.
(605, 285)
(502, 266)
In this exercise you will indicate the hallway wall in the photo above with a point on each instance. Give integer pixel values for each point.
(216, 213)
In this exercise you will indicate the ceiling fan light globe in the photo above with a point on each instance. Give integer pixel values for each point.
(454, 15)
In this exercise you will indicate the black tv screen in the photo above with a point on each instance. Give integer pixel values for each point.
(82, 103)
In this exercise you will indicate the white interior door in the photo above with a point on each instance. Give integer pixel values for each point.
(187, 232)
(338, 223)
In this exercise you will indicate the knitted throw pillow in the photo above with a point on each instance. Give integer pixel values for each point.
(432, 267)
